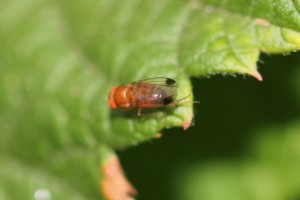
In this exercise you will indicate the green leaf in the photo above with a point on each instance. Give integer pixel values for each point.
(59, 59)
(21, 180)
(284, 13)
(229, 43)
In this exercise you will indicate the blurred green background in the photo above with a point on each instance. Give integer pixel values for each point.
(235, 115)
(245, 143)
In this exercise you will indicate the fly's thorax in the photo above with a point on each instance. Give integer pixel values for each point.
(123, 95)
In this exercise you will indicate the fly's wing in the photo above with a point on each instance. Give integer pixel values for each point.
(156, 92)
(161, 81)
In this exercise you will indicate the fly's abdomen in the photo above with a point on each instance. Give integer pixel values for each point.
(150, 96)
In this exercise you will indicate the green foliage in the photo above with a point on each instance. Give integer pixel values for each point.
(59, 59)
(271, 172)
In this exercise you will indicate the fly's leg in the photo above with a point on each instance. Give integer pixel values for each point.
(139, 111)
(177, 102)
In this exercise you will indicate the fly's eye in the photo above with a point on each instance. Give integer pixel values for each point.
(168, 100)
(170, 81)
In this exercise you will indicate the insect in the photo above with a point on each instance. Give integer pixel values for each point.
(147, 93)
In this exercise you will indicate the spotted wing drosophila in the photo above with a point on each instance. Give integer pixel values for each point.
(148, 93)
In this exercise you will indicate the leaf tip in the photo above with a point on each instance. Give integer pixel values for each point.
(158, 135)
(114, 184)
(257, 75)
(187, 124)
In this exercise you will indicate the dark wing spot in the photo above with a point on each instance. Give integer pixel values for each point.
(168, 100)
(170, 81)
